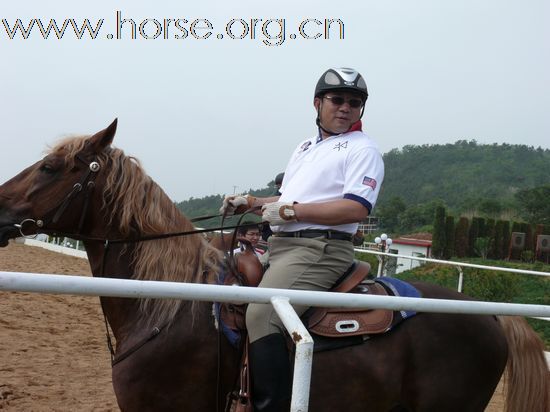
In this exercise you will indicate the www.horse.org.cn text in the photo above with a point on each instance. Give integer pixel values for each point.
(270, 32)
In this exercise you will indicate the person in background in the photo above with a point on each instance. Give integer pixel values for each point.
(330, 184)
(250, 234)
(279, 182)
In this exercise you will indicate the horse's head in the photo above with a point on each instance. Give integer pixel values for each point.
(55, 193)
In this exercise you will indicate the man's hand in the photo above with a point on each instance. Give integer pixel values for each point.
(278, 213)
(235, 205)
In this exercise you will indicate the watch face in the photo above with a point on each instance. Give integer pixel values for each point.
(287, 212)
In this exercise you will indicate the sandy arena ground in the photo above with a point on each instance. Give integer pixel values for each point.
(53, 355)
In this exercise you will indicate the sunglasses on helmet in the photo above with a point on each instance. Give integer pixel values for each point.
(339, 101)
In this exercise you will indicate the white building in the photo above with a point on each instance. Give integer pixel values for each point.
(418, 245)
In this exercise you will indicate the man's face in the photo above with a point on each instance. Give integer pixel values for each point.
(253, 236)
(338, 110)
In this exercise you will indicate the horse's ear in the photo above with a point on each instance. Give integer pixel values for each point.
(104, 138)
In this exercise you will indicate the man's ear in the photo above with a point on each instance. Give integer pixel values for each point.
(317, 103)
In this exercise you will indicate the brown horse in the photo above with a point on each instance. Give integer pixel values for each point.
(167, 352)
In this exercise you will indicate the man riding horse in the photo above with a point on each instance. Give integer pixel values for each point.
(330, 184)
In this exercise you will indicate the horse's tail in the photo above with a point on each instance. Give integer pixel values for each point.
(527, 376)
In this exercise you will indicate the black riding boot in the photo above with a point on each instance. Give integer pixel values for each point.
(270, 373)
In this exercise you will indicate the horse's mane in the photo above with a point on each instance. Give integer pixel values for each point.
(137, 205)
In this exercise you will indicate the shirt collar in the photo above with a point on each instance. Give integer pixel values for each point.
(355, 127)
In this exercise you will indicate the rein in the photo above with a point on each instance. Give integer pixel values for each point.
(87, 182)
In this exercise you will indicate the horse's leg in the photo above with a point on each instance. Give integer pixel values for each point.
(177, 370)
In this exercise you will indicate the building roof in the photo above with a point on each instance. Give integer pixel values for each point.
(415, 239)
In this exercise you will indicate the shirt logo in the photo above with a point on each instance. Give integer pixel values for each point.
(370, 182)
(305, 146)
(341, 145)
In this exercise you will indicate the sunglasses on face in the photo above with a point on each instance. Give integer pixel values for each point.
(339, 101)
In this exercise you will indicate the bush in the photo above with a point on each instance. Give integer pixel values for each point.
(449, 237)
(482, 246)
(527, 256)
(370, 259)
(438, 239)
(494, 286)
(461, 237)
(490, 285)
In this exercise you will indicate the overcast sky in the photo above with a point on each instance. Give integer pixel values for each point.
(207, 115)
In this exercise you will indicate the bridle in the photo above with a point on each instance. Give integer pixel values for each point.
(86, 184)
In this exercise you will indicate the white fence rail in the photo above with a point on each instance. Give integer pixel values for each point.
(89, 286)
(280, 298)
(54, 247)
(452, 263)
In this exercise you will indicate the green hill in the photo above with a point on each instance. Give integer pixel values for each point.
(463, 172)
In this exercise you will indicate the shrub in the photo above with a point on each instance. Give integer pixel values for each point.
(449, 237)
(482, 246)
(461, 237)
(438, 238)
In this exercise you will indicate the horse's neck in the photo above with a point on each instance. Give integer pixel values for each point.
(115, 261)
(123, 314)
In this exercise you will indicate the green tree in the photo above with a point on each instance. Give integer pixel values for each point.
(505, 233)
(461, 237)
(482, 246)
(491, 207)
(473, 233)
(418, 216)
(449, 237)
(389, 213)
(438, 235)
(490, 233)
(499, 243)
(534, 205)
(486, 176)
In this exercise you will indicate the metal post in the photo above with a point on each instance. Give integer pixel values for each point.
(304, 353)
(380, 265)
(460, 278)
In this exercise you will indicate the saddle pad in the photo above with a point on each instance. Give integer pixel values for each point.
(398, 287)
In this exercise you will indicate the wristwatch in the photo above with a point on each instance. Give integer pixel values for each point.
(287, 212)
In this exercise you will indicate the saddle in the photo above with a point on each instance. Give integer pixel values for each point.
(336, 323)
(329, 322)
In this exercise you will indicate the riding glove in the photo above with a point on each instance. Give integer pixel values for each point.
(278, 213)
(236, 204)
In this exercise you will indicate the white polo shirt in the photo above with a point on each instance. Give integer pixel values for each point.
(345, 166)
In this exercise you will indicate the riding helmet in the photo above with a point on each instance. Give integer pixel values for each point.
(342, 79)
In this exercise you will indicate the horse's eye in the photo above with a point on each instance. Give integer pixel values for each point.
(47, 168)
